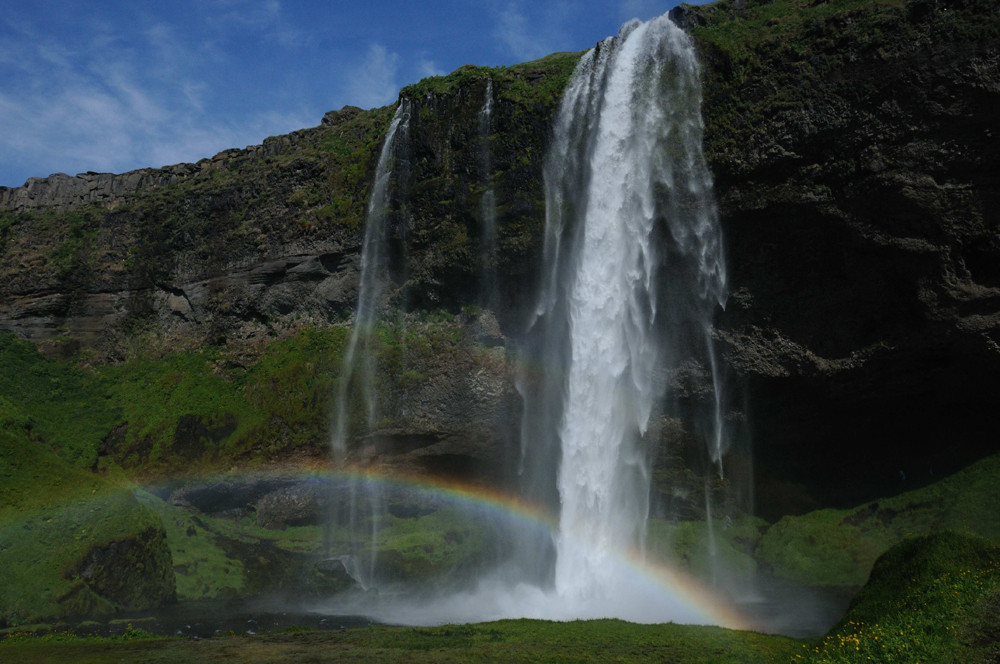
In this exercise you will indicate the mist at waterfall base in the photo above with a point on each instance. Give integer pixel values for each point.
(633, 275)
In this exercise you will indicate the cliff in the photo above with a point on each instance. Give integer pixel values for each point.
(855, 154)
(856, 157)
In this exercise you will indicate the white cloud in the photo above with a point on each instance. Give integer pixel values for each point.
(641, 9)
(373, 82)
(427, 68)
(533, 30)
(512, 30)
(266, 18)
(106, 104)
(250, 13)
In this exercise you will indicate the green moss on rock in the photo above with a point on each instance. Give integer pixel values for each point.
(929, 599)
(838, 547)
(72, 542)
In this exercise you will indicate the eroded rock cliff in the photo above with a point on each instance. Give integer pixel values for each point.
(858, 175)
(854, 146)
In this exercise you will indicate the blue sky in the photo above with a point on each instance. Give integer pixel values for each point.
(117, 85)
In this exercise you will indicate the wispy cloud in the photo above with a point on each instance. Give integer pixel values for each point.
(532, 30)
(427, 68)
(373, 82)
(266, 18)
(249, 13)
(513, 31)
(642, 9)
(106, 104)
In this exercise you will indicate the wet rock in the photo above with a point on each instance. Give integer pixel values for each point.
(220, 496)
(301, 504)
(130, 574)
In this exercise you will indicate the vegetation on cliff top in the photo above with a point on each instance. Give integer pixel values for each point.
(768, 59)
(536, 83)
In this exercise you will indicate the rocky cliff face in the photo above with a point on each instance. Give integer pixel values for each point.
(854, 146)
(858, 175)
(249, 246)
(262, 239)
(94, 256)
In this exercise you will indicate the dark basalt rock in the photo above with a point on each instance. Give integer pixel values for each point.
(301, 504)
(219, 496)
(129, 574)
(858, 178)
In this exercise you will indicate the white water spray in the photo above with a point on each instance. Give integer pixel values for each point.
(488, 203)
(364, 502)
(634, 272)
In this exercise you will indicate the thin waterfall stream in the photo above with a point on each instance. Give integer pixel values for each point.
(488, 203)
(363, 502)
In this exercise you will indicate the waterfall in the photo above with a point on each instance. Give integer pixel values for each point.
(633, 275)
(488, 203)
(364, 504)
(631, 279)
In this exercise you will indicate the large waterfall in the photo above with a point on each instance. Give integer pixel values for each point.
(634, 272)
(632, 277)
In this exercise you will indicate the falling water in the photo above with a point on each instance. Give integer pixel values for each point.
(632, 277)
(488, 203)
(634, 273)
(359, 513)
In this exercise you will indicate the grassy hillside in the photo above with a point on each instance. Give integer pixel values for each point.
(930, 599)
(838, 547)
(72, 542)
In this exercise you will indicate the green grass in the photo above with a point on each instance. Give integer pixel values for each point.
(157, 396)
(202, 568)
(71, 409)
(503, 641)
(52, 515)
(688, 544)
(197, 410)
(539, 82)
(838, 547)
(428, 547)
(930, 599)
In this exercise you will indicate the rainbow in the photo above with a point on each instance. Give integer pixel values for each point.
(693, 601)
(659, 582)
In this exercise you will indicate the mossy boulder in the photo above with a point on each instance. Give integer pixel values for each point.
(71, 541)
(829, 547)
(929, 599)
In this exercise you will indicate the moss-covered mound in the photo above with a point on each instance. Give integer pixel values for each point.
(930, 599)
(838, 547)
(72, 542)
